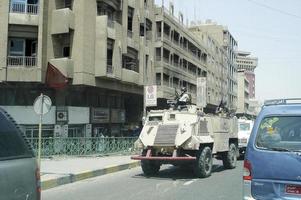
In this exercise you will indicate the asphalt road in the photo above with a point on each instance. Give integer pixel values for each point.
(171, 183)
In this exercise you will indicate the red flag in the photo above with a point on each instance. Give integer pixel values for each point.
(55, 78)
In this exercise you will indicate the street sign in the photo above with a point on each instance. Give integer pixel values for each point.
(42, 105)
(201, 92)
(150, 95)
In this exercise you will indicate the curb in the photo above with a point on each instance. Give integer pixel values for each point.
(72, 178)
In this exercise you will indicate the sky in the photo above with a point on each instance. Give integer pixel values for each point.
(270, 29)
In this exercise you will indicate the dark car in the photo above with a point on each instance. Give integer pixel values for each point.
(19, 173)
(272, 166)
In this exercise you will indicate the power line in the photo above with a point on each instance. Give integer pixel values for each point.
(275, 9)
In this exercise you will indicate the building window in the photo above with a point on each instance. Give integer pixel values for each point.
(158, 78)
(146, 27)
(110, 50)
(158, 54)
(68, 4)
(63, 42)
(33, 131)
(130, 18)
(146, 68)
(17, 47)
(167, 80)
(76, 131)
(130, 60)
(66, 52)
(105, 9)
(22, 52)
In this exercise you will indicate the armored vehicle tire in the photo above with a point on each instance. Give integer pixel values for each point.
(230, 157)
(203, 166)
(149, 168)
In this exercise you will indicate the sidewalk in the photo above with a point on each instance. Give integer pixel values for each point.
(64, 170)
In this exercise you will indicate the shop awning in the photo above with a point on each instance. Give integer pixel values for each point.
(55, 78)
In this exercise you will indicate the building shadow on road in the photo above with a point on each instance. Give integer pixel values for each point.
(178, 173)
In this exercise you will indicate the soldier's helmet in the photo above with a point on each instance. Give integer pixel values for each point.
(183, 89)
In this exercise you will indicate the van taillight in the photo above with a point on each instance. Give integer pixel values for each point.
(38, 182)
(247, 171)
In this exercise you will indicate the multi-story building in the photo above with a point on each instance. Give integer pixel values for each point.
(224, 39)
(248, 64)
(243, 93)
(217, 68)
(254, 107)
(101, 50)
(179, 57)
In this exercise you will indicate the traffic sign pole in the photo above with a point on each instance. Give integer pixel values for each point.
(40, 131)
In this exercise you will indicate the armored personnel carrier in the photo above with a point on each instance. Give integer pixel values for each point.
(185, 136)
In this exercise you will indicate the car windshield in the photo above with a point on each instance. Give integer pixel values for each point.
(280, 134)
(244, 126)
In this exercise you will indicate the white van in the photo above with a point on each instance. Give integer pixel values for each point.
(244, 130)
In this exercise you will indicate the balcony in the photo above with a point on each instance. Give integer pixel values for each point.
(23, 69)
(21, 61)
(65, 65)
(24, 8)
(62, 21)
(24, 14)
(130, 76)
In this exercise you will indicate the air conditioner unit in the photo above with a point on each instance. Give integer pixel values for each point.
(61, 116)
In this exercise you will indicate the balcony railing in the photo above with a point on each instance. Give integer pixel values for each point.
(166, 60)
(158, 58)
(21, 61)
(32, 9)
(166, 36)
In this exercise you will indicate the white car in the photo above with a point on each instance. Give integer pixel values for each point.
(244, 131)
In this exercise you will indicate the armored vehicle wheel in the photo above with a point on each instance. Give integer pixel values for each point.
(230, 157)
(149, 168)
(203, 166)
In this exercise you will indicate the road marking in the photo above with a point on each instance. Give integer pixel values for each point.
(189, 182)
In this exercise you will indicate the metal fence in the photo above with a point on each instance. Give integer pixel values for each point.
(84, 146)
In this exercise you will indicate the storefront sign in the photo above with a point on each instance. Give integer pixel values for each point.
(150, 95)
(100, 115)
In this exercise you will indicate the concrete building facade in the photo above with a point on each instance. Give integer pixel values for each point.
(248, 64)
(217, 68)
(104, 48)
(222, 36)
(243, 93)
(179, 57)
